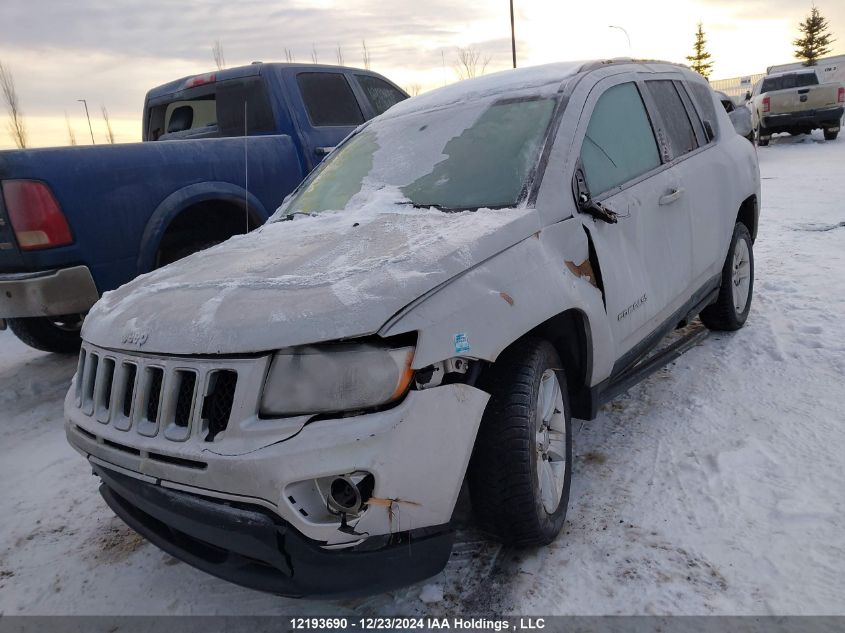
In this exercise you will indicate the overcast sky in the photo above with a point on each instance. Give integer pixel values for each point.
(111, 52)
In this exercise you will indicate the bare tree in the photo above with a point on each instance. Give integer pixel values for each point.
(313, 53)
(414, 89)
(339, 54)
(17, 128)
(289, 58)
(469, 63)
(109, 133)
(217, 52)
(365, 54)
(71, 135)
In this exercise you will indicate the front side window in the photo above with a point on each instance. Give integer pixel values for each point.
(380, 94)
(465, 157)
(619, 144)
(679, 131)
(329, 100)
(703, 96)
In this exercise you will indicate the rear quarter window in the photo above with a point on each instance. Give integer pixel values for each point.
(329, 100)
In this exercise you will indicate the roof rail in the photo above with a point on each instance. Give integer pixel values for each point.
(600, 63)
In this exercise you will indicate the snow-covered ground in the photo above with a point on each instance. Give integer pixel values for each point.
(716, 486)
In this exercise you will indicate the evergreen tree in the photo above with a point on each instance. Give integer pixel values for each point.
(700, 59)
(814, 41)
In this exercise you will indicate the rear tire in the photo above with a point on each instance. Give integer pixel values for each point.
(762, 141)
(521, 468)
(730, 310)
(830, 135)
(59, 335)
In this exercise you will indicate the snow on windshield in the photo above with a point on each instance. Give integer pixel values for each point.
(470, 156)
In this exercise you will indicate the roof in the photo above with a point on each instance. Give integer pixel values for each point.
(532, 80)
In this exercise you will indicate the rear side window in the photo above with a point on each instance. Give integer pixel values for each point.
(237, 98)
(784, 82)
(213, 110)
(329, 100)
(620, 143)
(380, 94)
(677, 126)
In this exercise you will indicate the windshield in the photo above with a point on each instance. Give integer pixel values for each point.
(466, 157)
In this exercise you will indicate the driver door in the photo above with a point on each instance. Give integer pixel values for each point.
(645, 256)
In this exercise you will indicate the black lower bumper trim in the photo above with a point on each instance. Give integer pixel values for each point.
(250, 547)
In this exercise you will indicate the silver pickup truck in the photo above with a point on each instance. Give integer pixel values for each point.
(797, 103)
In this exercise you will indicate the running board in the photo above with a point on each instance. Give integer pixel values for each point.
(651, 364)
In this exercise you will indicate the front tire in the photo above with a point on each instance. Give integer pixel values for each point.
(59, 335)
(830, 135)
(521, 468)
(730, 310)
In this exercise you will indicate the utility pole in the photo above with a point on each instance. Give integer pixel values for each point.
(513, 38)
(627, 37)
(90, 129)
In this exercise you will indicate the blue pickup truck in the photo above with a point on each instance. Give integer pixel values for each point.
(219, 153)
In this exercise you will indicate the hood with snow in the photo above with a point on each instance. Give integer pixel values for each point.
(308, 280)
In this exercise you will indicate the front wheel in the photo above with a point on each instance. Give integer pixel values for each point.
(830, 135)
(521, 467)
(60, 334)
(730, 310)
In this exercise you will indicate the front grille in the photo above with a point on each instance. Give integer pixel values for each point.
(157, 396)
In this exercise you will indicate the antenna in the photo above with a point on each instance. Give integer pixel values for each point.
(246, 170)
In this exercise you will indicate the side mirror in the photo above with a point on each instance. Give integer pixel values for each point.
(741, 119)
(708, 131)
(748, 95)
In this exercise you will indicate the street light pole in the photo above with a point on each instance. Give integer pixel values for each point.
(611, 26)
(90, 129)
(513, 38)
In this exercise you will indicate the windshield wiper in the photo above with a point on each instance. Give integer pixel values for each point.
(290, 216)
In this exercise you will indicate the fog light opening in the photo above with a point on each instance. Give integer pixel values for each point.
(346, 496)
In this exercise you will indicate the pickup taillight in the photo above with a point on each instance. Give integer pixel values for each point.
(767, 104)
(35, 214)
(840, 95)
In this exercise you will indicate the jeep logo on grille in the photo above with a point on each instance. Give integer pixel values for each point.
(135, 337)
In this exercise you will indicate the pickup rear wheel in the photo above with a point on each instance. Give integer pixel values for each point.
(762, 140)
(521, 467)
(830, 135)
(60, 334)
(730, 310)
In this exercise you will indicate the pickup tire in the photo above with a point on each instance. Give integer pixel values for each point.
(830, 135)
(521, 468)
(762, 141)
(730, 310)
(60, 335)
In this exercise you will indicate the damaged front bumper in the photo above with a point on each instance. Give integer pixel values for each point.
(123, 414)
(255, 549)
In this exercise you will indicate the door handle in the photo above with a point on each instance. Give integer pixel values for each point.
(672, 196)
(323, 151)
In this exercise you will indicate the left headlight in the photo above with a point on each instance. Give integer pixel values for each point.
(336, 377)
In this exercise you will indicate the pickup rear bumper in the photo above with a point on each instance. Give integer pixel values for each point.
(47, 293)
(822, 117)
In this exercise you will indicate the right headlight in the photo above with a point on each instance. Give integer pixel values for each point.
(336, 377)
